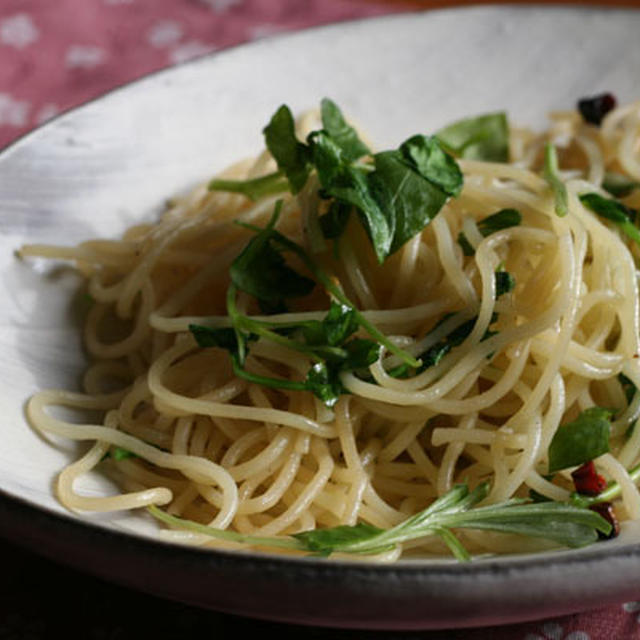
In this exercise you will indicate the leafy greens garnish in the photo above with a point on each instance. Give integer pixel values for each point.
(580, 441)
(262, 271)
(328, 342)
(413, 184)
(330, 357)
(565, 524)
(483, 137)
(343, 134)
(395, 193)
(610, 209)
(291, 155)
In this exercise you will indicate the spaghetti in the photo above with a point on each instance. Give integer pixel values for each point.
(510, 365)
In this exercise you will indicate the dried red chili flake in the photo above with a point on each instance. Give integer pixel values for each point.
(587, 480)
(605, 509)
(595, 108)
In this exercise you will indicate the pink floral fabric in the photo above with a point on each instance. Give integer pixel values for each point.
(56, 54)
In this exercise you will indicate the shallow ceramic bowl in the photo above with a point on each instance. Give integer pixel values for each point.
(113, 162)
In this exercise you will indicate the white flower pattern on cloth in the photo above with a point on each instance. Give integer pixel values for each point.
(13, 113)
(84, 56)
(164, 33)
(18, 31)
(553, 631)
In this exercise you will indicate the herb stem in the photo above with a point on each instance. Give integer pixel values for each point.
(245, 323)
(225, 534)
(552, 176)
(337, 293)
(265, 381)
(254, 189)
(630, 230)
(455, 546)
(564, 523)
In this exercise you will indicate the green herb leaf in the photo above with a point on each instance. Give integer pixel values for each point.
(291, 155)
(580, 441)
(427, 158)
(484, 137)
(360, 353)
(339, 323)
(503, 219)
(505, 283)
(410, 200)
(232, 340)
(334, 222)
(610, 209)
(326, 541)
(412, 184)
(566, 524)
(118, 453)
(324, 383)
(261, 270)
(352, 186)
(395, 198)
(551, 175)
(343, 134)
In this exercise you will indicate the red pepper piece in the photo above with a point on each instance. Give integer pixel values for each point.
(595, 108)
(587, 481)
(605, 509)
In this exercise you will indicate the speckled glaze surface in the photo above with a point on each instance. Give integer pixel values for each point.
(100, 168)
